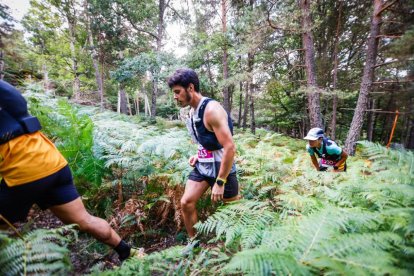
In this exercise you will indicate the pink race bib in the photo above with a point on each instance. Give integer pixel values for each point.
(205, 155)
(327, 163)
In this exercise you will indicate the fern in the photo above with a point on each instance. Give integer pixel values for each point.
(41, 252)
(401, 162)
(265, 261)
(244, 220)
(171, 262)
(316, 244)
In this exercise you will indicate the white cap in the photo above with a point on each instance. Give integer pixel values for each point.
(314, 134)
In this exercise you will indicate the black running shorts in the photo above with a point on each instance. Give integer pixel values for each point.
(231, 188)
(55, 189)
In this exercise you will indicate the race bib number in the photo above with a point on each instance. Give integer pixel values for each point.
(205, 155)
(327, 163)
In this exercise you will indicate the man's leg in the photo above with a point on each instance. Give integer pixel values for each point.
(75, 212)
(193, 191)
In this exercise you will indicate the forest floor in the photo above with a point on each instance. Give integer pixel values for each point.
(84, 252)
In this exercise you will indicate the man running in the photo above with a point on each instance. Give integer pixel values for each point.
(34, 171)
(330, 154)
(211, 128)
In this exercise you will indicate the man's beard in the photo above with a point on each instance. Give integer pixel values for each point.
(188, 96)
(187, 101)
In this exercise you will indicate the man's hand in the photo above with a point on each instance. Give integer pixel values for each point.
(217, 192)
(193, 160)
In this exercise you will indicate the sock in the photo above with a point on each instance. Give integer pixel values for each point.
(123, 250)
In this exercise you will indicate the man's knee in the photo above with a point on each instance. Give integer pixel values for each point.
(187, 204)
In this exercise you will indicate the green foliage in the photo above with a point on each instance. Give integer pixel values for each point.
(242, 221)
(73, 135)
(138, 66)
(139, 150)
(172, 262)
(41, 252)
(294, 220)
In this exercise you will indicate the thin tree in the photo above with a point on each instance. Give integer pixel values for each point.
(162, 6)
(367, 79)
(335, 73)
(313, 92)
(226, 97)
(69, 11)
(94, 56)
(5, 28)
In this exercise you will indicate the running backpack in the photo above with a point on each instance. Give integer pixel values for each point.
(14, 117)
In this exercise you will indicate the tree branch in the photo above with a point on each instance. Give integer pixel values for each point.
(389, 36)
(390, 81)
(137, 28)
(175, 11)
(386, 7)
(385, 63)
(271, 25)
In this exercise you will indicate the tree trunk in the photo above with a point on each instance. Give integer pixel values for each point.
(160, 32)
(388, 119)
(226, 98)
(410, 126)
(410, 140)
(1, 64)
(246, 105)
(249, 87)
(307, 40)
(231, 89)
(371, 121)
(123, 104)
(45, 77)
(154, 98)
(367, 78)
(71, 18)
(252, 118)
(147, 106)
(335, 75)
(136, 100)
(240, 105)
(95, 58)
(210, 76)
(128, 105)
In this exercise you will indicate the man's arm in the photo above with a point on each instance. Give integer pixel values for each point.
(315, 162)
(344, 156)
(216, 121)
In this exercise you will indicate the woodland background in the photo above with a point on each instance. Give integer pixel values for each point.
(94, 73)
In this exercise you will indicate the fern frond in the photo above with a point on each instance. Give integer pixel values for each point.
(41, 252)
(243, 219)
(265, 261)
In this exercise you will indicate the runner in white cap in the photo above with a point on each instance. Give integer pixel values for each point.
(330, 154)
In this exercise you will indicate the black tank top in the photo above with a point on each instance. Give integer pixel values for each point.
(205, 137)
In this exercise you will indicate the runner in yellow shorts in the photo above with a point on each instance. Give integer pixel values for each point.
(33, 171)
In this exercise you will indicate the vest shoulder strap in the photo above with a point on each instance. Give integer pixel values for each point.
(203, 108)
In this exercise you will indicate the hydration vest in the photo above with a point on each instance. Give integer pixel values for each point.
(14, 117)
(205, 137)
(325, 155)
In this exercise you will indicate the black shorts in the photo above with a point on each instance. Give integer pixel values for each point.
(55, 189)
(231, 188)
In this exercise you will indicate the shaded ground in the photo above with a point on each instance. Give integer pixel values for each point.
(86, 253)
